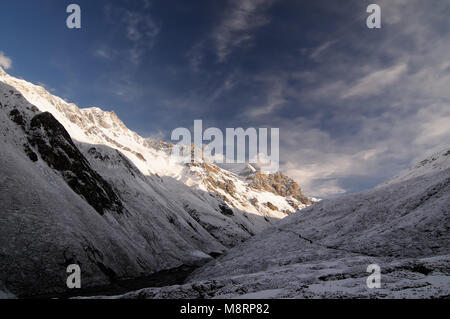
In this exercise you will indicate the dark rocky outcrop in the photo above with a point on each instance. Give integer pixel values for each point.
(58, 150)
(31, 155)
(17, 118)
(226, 210)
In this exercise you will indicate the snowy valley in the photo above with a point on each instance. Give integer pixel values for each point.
(323, 251)
(77, 186)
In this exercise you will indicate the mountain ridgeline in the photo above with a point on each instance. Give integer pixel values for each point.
(78, 187)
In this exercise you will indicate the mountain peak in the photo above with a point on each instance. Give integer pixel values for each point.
(280, 184)
(104, 118)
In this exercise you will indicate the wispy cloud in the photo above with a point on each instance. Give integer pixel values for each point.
(104, 53)
(141, 31)
(240, 20)
(195, 56)
(319, 51)
(375, 81)
(371, 108)
(5, 61)
(275, 97)
(137, 26)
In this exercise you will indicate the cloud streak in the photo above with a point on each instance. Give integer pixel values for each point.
(137, 26)
(240, 20)
(376, 81)
(317, 52)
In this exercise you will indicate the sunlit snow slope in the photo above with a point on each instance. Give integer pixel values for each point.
(77, 186)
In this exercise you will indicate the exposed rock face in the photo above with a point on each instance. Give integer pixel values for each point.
(279, 184)
(59, 152)
(226, 210)
(271, 206)
(17, 118)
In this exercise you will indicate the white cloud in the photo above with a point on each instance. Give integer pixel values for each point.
(142, 31)
(319, 51)
(433, 125)
(314, 179)
(319, 161)
(435, 130)
(103, 53)
(275, 99)
(227, 85)
(138, 27)
(5, 61)
(383, 145)
(195, 56)
(241, 18)
(376, 81)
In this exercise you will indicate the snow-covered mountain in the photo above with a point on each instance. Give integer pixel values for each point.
(324, 251)
(77, 186)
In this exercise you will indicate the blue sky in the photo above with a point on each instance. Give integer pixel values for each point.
(354, 105)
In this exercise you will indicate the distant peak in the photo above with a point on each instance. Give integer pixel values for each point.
(105, 118)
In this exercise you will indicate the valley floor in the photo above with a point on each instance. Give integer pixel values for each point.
(336, 278)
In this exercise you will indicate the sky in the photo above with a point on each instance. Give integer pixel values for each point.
(354, 105)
